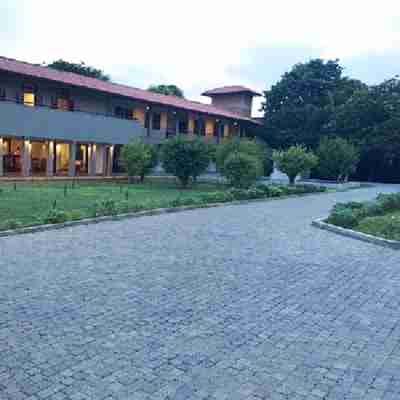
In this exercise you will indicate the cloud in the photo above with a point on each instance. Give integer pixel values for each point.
(199, 45)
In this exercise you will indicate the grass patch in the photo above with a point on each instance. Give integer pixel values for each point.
(386, 226)
(33, 203)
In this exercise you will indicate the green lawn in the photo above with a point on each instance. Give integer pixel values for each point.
(30, 201)
(386, 226)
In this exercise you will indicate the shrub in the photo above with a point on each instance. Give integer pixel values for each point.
(106, 207)
(185, 158)
(346, 218)
(55, 216)
(338, 158)
(244, 146)
(10, 224)
(139, 159)
(389, 202)
(241, 170)
(294, 161)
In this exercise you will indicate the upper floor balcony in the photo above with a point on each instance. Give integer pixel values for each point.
(23, 119)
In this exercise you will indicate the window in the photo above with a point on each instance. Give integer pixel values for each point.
(28, 95)
(183, 126)
(2, 94)
(63, 101)
(156, 122)
(199, 127)
(29, 99)
(123, 112)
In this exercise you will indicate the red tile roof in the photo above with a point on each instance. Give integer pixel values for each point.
(38, 71)
(229, 90)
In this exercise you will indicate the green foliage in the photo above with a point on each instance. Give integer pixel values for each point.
(294, 161)
(387, 226)
(299, 108)
(55, 216)
(371, 118)
(241, 169)
(139, 158)
(10, 224)
(337, 157)
(238, 145)
(352, 214)
(346, 218)
(106, 207)
(79, 68)
(169, 90)
(185, 158)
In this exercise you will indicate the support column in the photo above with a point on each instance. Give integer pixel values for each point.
(50, 158)
(26, 157)
(103, 158)
(191, 125)
(72, 159)
(110, 160)
(1, 156)
(177, 126)
(92, 160)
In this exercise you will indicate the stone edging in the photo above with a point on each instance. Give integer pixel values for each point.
(319, 223)
(156, 211)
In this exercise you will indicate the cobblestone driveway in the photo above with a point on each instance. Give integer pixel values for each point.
(238, 302)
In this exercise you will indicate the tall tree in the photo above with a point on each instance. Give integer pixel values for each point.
(79, 68)
(299, 107)
(371, 118)
(169, 90)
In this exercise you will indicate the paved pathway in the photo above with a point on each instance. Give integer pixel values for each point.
(238, 302)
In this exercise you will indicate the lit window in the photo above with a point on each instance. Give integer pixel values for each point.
(29, 99)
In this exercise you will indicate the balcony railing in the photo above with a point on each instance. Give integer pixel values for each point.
(45, 122)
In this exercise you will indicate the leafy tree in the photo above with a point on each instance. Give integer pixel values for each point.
(337, 157)
(169, 90)
(371, 119)
(79, 68)
(294, 161)
(299, 108)
(241, 169)
(138, 158)
(245, 146)
(185, 158)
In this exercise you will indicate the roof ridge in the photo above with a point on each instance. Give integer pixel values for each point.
(74, 79)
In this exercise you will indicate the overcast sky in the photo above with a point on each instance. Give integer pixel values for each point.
(203, 44)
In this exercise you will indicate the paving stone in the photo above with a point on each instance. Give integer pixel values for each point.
(237, 302)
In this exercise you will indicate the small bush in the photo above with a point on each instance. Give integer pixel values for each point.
(55, 216)
(338, 158)
(139, 159)
(106, 207)
(10, 224)
(185, 158)
(241, 170)
(345, 218)
(294, 161)
(389, 202)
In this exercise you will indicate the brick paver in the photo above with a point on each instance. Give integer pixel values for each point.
(238, 302)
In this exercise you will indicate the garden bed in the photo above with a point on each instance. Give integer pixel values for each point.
(375, 221)
(32, 204)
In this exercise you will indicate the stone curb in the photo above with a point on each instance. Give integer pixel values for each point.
(157, 211)
(319, 223)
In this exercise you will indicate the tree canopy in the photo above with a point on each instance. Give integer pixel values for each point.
(169, 90)
(299, 107)
(79, 68)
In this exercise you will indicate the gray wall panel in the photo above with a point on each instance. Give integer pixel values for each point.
(37, 122)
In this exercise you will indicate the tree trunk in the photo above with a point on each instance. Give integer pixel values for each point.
(292, 179)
